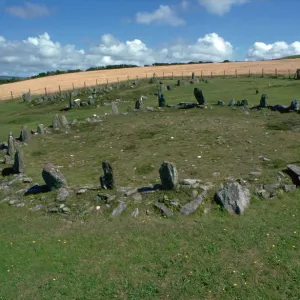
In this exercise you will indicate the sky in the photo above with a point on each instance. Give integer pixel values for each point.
(45, 35)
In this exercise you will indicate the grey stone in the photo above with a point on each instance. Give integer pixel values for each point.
(137, 197)
(81, 191)
(263, 101)
(91, 100)
(289, 188)
(114, 108)
(162, 207)
(62, 195)
(66, 210)
(27, 180)
(168, 176)
(195, 193)
(117, 211)
(53, 178)
(294, 169)
(18, 166)
(8, 160)
(199, 96)
(11, 145)
(24, 135)
(175, 203)
(271, 187)
(37, 208)
(129, 191)
(135, 213)
(21, 192)
(40, 129)
(192, 206)
(59, 122)
(73, 122)
(255, 173)
(22, 204)
(107, 181)
(13, 201)
(234, 197)
(232, 102)
(220, 103)
(149, 108)
(84, 104)
(189, 181)
(264, 194)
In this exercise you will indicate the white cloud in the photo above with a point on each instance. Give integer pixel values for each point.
(41, 53)
(261, 50)
(220, 7)
(163, 15)
(29, 10)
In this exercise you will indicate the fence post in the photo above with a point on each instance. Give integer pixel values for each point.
(163, 75)
(12, 96)
(249, 73)
(96, 82)
(289, 74)
(118, 80)
(236, 75)
(84, 85)
(45, 91)
(59, 89)
(224, 74)
(201, 74)
(146, 75)
(181, 75)
(172, 75)
(276, 74)
(106, 81)
(211, 75)
(128, 78)
(73, 87)
(262, 72)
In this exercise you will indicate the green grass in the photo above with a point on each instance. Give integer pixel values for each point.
(209, 255)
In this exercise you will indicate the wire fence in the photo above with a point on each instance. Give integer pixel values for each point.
(54, 85)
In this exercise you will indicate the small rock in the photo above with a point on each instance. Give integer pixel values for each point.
(63, 195)
(13, 201)
(135, 213)
(266, 159)
(27, 180)
(162, 207)
(130, 191)
(81, 191)
(271, 187)
(289, 188)
(175, 203)
(37, 208)
(117, 211)
(20, 204)
(137, 197)
(66, 210)
(192, 206)
(195, 193)
(189, 181)
(264, 194)
(255, 173)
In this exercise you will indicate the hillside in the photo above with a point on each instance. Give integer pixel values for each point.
(67, 81)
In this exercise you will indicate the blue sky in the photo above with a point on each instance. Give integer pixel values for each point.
(42, 35)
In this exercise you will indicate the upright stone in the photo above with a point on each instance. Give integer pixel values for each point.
(161, 100)
(63, 121)
(193, 76)
(91, 101)
(199, 96)
(138, 104)
(234, 197)
(40, 129)
(71, 101)
(232, 103)
(178, 82)
(114, 108)
(107, 181)
(26, 97)
(263, 101)
(295, 105)
(53, 178)
(18, 166)
(24, 135)
(11, 145)
(56, 122)
(168, 176)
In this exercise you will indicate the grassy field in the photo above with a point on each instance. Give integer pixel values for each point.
(208, 255)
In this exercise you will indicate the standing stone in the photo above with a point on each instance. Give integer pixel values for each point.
(59, 122)
(297, 76)
(199, 96)
(114, 108)
(263, 101)
(64, 122)
(40, 129)
(53, 178)
(24, 135)
(71, 101)
(244, 102)
(91, 100)
(11, 145)
(18, 166)
(193, 76)
(178, 82)
(26, 97)
(161, 100)
(168, 176)
(234, 197)
(107, 181)
(231, 103)
(295, 105)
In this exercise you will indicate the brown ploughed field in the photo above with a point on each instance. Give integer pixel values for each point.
(66, 81)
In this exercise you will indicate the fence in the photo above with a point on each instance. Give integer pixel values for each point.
(53, 84)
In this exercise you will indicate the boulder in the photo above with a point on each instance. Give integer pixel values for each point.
(234, 197)
(18, 166)
(24, 135)
(53, 178)
(168, 176)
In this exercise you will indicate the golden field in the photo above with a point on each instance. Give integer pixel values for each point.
(51, 84)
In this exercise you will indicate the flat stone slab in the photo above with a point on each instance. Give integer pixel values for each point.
(294, 169)
(271, 187)
(289, 188)
(118, 210)
(162, 207)
(192, 206)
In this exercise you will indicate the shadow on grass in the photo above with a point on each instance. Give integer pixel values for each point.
(37, 189)
(7, 171)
